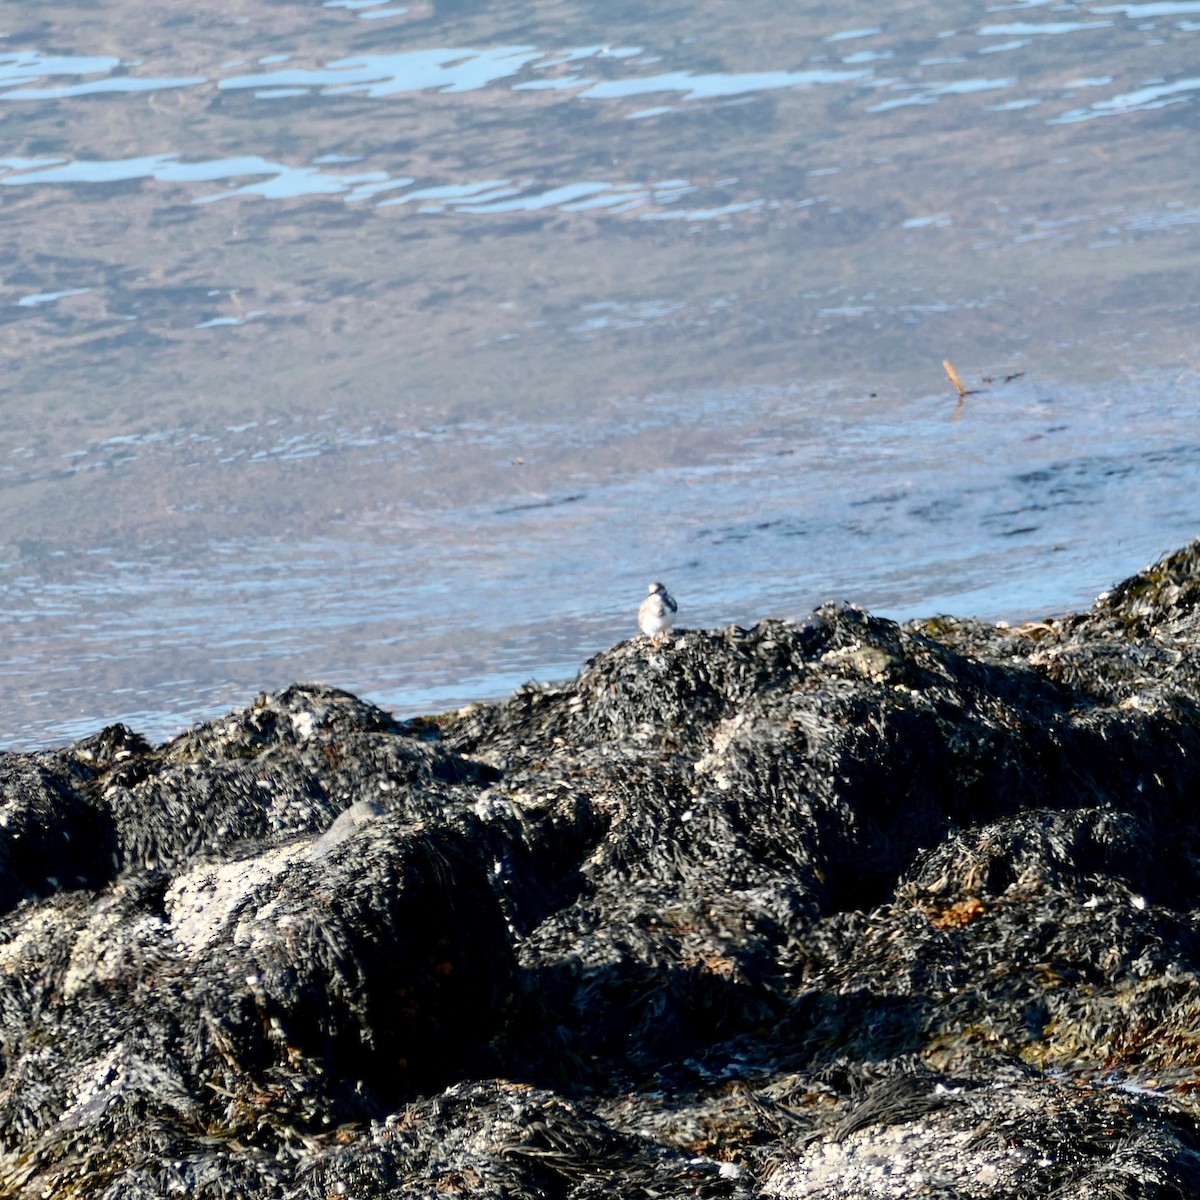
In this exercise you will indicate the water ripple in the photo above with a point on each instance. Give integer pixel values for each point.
(1141, 12)
(1027, 28)
(931, 94)
(27, 67)
(527, 68)
(282, 182)
(707, 87)
(1141, 100)
(439, 69)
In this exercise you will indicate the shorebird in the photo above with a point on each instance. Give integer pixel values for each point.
(657, 613)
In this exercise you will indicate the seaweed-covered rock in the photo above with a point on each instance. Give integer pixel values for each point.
(834, 909)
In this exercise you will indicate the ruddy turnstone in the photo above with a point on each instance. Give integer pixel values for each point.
(657, 613)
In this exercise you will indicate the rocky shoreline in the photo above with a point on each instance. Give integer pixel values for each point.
(833, 909)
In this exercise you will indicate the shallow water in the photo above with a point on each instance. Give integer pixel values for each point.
(399, 346)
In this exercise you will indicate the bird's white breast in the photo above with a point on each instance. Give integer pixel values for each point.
(654, 617)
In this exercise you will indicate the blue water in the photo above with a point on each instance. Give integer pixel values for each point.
(399, 346)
